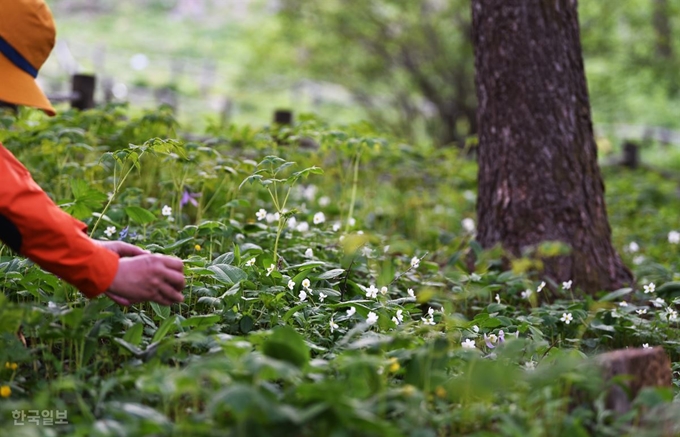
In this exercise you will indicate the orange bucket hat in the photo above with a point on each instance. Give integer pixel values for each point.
(27, 35)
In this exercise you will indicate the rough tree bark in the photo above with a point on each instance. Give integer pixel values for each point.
(538, 174)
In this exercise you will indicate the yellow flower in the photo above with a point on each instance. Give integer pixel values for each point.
(394, 365)
(440, 391)
(12, 366)
(408, 390)
(197, 247)
(5, 391)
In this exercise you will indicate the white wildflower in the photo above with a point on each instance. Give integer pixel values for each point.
(271, 218)
(166, 211)
(333, 325)
(567, 285)
(372, 292)
(291, 284)
(498, 298)
(292, 223)
(250, 262)
(674, 237)
(383, 290)
(322, 296)
(468, 224)
(399, 317)
(270, 269)
(641, 311)
(306, 283)
(475, 329)
(372, 318)
(567, 318)
(261, 214)
(351, 221)
(336, 226)
(649, 288)
(302, 295)
(623, 304)
(672, 315)
(324, 201)
(633, 247)
(658, 302)
(110, 230)
(526, 294)
(646, 346)
(351, 311)
(638, 260)
(540, 287)
(319, 218)
(411, 293)
(302, 227)
(309, 253)
(415, 262)
(468, 343)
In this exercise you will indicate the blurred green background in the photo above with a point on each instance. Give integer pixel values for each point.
(406, 66)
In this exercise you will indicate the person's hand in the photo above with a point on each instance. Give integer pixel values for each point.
(148, 277)
(121, 248)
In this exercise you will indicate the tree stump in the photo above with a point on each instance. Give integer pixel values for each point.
(647, 367)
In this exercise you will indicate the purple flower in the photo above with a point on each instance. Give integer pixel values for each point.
(188, 197)
(123, 233)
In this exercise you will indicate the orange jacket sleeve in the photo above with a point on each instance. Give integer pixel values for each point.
(32, 225)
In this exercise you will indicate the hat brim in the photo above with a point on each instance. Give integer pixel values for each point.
(19, 88)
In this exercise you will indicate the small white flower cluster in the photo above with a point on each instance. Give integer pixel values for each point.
(674, 237)
(399, 317)
(429, 320)
(415, 262)
(306, 285)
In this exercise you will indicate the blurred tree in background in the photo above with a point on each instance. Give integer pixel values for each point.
(409, 63)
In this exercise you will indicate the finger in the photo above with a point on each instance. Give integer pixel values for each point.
(174, 279)
(117, 299)
(172, 263)
(127, 250)
(167, 293)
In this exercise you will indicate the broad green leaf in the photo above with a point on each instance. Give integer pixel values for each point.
(140, 215)
(286, 344)
(228, 274)
(161, 311)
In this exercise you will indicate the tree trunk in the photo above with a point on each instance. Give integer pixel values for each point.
(538, 174)
(662, 29)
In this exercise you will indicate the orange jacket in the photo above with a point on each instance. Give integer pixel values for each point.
(32, 225)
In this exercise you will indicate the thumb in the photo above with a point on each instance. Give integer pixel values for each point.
(127, 250)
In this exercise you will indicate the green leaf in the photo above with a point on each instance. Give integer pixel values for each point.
(615, 294)
(140, 215)
(286, 344)
(161, 311)
(164, 328)
(134, 334)
(201, 322)
(228, 274)
(331, 274)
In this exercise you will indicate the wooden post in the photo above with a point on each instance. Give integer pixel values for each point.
(631, 156)
(283, 117)
(83, 91)
(647, 367)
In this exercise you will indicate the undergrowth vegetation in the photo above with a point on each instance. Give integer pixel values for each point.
(334, 288)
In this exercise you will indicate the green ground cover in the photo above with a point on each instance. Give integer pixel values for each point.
(328, 291)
